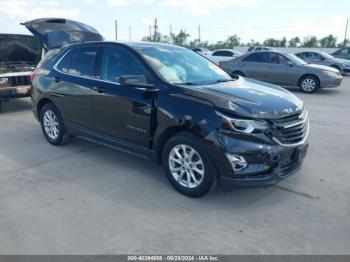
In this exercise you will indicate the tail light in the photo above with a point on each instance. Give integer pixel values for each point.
(32, 76)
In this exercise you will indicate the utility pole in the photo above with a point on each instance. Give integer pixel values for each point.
(150, 32)
(129, 33)
(346, 31)
(199, 34)
(116, 29)
(171, 34)
(155, 29)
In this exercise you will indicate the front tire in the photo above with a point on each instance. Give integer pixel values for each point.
(187, 165)
(52, 125)
(309, 84)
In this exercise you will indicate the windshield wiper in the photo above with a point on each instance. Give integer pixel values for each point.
(185, 84)
(224, 80)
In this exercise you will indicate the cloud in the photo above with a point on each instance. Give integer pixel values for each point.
(22, 10)
(200, 7)
(127, 2)
(194, 7)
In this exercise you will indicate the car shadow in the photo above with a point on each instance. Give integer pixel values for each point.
(15, 105)
(128, 180)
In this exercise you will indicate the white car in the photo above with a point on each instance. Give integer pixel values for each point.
(221, 55)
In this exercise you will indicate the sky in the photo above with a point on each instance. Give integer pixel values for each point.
(249, 19)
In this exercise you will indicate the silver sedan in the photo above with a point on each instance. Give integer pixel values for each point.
(323, 58)
(283, 69)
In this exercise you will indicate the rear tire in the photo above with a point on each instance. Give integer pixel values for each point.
(52, 125)
(187, 165)
(309, 84)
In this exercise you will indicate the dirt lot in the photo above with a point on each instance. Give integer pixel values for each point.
(88, 199)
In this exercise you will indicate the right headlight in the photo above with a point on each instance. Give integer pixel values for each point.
(331, 73)
(244, 125)
(4, 80)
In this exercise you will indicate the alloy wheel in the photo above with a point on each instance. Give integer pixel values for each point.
(186, 166)
(51, 125)
(308, 84)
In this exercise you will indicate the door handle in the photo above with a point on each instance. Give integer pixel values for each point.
(99, 89)
(56, 79)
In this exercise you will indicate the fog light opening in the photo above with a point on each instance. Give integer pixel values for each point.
(238, 163)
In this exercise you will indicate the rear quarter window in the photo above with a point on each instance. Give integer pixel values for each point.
(49, 59)
(64, 63)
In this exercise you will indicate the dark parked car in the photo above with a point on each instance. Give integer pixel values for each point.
(323, 58)
(343, 53)
(19, 55)
(172, 105)
(283, 69)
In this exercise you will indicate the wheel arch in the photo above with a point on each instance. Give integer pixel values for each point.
(308, 74)
(165, 136)
(240, 73)
(42, 102)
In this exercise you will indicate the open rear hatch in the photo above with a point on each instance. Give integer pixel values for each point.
(57, 32)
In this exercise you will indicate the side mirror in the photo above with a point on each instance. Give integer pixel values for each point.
(135, 80)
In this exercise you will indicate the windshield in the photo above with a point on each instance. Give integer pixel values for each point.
(177, 65)
(326, 55)
(296, 60)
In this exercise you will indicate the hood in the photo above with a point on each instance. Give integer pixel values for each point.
(18, 53)
(339, 60)
(57, 32)
(248, 98)
(322, 67)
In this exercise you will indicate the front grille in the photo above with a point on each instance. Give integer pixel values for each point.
(19, 80)
(292, 129)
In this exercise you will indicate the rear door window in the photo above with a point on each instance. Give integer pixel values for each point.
(82, 61)
(117, 62)
(257, 58)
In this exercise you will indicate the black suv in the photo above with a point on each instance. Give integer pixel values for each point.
(166, 103)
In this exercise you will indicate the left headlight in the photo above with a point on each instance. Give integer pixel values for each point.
(346, 65)
(4, 80)
(244, 125)
(331, 73)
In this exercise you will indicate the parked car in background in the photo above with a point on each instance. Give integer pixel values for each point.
(220, 55)
(259, 48)
(19, 55)
(167, 103)
(343, 53)
(323, 58)
(202, 51)
(283, 69)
